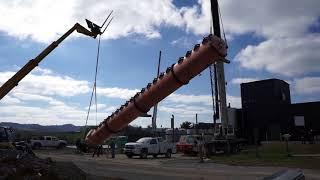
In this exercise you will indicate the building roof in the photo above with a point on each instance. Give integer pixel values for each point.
(264, 80)
(307, 103)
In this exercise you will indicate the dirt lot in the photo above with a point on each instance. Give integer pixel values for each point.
(178, 167)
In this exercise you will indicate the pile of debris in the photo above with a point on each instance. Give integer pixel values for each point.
(22, 165)
(15, 164)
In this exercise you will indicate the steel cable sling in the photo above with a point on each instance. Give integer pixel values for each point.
(94, 89)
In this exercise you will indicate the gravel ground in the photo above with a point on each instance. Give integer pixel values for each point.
(178, 167)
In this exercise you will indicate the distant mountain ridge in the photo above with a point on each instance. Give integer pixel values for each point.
(40, 128)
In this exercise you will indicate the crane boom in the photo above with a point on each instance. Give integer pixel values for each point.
(219, 76)
(26, 69)
(211, 50)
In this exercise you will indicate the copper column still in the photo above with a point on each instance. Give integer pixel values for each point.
(211, 50)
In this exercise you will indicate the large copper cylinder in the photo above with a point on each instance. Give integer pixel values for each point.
(211, 49)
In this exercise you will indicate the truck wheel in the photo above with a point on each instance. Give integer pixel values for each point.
(129, 155)
(168, 153)
(37, 146)
(144, 154)
(61, 145)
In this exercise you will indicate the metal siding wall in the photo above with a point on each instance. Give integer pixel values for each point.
(264, 107)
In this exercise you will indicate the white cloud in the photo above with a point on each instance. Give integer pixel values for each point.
(201, 99)
(42, 71)
(269, 18)
(43, 21)
(307, 85)
(40, 21)
(47, 84)
(243, 80)
(188, 99)
(10, 100)
(186, 110)
(286, 56)
(184, 42)
(46, 115)
(198, 17)
(234, 101)
(42, 83)
(116, 92)
(35, 97)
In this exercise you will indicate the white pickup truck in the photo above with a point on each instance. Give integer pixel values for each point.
(48, 141)
(149, 146)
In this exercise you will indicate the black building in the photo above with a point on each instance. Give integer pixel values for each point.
(265, 109)
(305, 119)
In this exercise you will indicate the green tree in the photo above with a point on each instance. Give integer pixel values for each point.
(186, 125)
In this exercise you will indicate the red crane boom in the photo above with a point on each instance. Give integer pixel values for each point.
(211, 50)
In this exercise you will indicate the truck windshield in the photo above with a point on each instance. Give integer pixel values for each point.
(143, 140)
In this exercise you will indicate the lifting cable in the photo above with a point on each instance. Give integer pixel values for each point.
(224, 34)
(212, 95)
(94, 89)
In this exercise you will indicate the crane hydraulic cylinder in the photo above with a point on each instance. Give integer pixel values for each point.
(211, 50)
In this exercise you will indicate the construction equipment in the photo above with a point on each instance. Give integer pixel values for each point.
(211, 50)
(7, 137)
(219, 76)
(94, 31)
(224, 138)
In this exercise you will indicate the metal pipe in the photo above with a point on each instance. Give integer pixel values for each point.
(211, 50)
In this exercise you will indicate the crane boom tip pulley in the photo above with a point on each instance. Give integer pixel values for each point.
(96, 29)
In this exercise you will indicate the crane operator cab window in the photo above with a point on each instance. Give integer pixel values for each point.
(153, 141)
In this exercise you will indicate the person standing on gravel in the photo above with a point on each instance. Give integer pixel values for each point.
(97, 151)
(112, 146)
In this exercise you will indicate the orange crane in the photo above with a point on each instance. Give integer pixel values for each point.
(94, 31)
(212, 49)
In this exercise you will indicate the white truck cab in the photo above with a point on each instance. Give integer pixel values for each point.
(149, 146)
(47, 141)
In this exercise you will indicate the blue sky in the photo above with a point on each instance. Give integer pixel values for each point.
(269, 39)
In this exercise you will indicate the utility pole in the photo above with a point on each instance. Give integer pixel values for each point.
(155, 108)
(197, 131)
(219, 71)
(172, 126)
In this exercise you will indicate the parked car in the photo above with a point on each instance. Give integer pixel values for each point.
(149, 146)
(47, 141)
